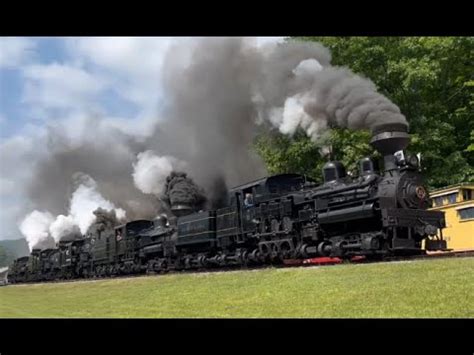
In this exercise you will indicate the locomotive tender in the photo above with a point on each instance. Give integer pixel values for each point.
(286, 216)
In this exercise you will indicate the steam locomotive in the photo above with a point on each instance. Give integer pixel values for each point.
(288, 216)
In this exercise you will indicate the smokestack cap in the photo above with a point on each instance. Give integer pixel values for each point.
(390, 138)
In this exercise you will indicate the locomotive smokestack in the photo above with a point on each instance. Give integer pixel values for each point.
(183, 195)
(390, 138)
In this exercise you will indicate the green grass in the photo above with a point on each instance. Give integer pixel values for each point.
(425, 288)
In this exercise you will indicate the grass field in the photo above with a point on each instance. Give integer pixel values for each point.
(424, 288)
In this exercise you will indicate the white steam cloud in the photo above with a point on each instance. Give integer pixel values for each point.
(35, 227)
(86, 199)
(38, 226)
(150, 171)
(64, 226)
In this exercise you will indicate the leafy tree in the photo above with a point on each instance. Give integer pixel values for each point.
(299, 154)
(431, 79)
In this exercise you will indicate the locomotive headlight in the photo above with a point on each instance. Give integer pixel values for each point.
(420, 192)
(413, 161)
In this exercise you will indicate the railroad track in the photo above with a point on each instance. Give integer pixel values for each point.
(322, 261)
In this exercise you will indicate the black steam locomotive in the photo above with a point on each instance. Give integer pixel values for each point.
(288, 216)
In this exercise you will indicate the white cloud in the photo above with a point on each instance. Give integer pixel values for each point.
(132, 64)
(60, 86)
(130, 56)
(15, 51)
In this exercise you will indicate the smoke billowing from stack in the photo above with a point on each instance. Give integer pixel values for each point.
(225, 89)
(104, 219)
(182, 195)
(35, 227)
(219, 93)
(322, 97)
(43, 230)
(64, 228)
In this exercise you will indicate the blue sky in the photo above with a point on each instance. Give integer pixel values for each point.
(15, 109)
(58, 81)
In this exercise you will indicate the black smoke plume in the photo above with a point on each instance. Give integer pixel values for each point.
(180, 190)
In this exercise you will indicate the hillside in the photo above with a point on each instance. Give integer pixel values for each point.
(17, 246)
(12, 249)
(428, 288)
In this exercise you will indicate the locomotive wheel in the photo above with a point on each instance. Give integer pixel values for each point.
(323, 247)
(255, 256)
(275, 253)
(286, 250)
(244, 258)
(265, 252)
(222, 260)
(201, 261)
(178, 264)
(163, 265)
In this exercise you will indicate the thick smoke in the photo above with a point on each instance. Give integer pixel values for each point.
(219, 93)
(35, 227)
(329, 97)
(225, 89)
(150, 171)
(43, 230)
(315, 96)
(210, 114)
(104, 220)
(86, 199)
(64, 228)
(93, 147)
(181, 190)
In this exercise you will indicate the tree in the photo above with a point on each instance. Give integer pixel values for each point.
(431, 79)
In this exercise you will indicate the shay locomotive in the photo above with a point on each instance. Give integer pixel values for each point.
(287, 216)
